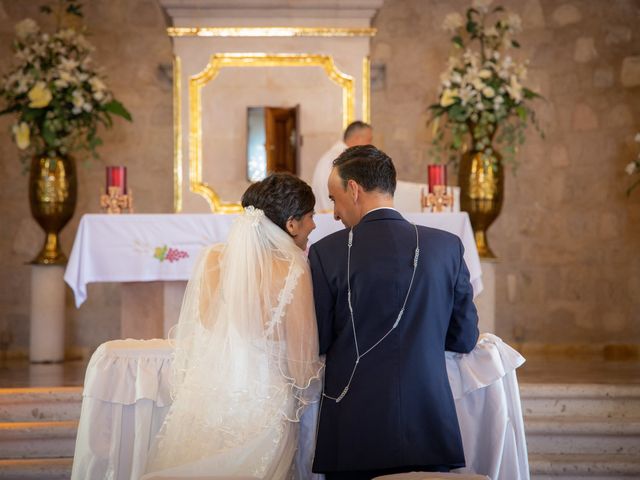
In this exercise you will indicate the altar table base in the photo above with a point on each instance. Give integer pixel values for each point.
(126, 397)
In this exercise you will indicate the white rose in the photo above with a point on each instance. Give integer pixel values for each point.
(637, 138)
(488, 92)
(26, 28)
(631, 168)
(484, 73)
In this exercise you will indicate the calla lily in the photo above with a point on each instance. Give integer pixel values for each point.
(448, 97)
(22, 135)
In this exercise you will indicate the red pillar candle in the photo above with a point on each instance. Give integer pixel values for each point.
(437, 175)
(117, 177)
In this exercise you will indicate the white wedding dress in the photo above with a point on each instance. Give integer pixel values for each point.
(246, 354)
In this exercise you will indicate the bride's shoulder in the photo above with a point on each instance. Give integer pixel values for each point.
(211, 253)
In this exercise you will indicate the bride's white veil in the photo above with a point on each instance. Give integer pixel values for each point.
(246, 345)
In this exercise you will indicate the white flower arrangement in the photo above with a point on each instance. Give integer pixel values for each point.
(482, 89)
(57, 95)
(633, 168)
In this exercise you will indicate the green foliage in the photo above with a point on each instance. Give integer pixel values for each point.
(481, 100)
(57, 96)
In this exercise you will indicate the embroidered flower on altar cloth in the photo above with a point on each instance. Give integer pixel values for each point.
(169, 254)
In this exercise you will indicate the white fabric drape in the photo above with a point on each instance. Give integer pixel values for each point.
(485, 390)
(246, 350)
(129, 248)
(127, 386)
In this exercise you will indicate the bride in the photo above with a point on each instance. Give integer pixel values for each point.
(246, 348)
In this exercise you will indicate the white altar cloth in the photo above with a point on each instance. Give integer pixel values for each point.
(164, 247)
(126, 397)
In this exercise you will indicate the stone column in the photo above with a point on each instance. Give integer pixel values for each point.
(46, 343)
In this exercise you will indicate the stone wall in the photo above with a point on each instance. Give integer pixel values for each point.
(568, 237)
(131, 43)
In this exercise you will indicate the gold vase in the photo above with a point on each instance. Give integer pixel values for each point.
(481, 181)
(53, 190)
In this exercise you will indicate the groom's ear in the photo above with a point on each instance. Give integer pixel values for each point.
(353, 189)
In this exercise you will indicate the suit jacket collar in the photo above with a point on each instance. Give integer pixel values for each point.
(382, 214)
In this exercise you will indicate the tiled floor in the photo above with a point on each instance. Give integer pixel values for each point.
(537, 369)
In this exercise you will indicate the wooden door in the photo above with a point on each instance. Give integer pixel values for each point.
(281, 139)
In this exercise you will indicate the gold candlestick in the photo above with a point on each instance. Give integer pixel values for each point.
(116, 202)
(438, 200)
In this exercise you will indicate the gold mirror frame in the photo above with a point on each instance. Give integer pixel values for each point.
(216, 63)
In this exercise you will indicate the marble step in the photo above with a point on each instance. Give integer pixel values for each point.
(40, 404)
(36, 469)
(583, 435)
(603, 401)
(37, 439)
(583, 467)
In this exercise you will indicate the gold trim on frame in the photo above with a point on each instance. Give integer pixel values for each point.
(177, 134)
(366, 89)
(270, 32)
(218, 61)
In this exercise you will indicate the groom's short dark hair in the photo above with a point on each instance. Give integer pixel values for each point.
(280, 196)
(369, 167)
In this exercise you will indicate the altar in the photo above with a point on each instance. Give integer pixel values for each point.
(152, 255)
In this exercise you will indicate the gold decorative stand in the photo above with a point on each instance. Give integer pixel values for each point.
(437, 201)
(116, 202)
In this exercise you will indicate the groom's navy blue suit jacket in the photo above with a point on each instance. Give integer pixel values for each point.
(399, 410)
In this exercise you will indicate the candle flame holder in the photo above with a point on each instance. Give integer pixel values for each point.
(438, 200)
(116, 202)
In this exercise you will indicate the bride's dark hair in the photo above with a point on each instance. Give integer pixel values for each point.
(280, 196)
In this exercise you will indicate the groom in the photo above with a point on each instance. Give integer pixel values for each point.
(387, 406)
